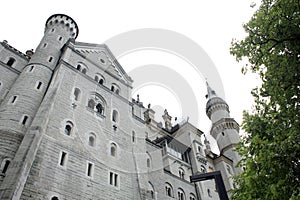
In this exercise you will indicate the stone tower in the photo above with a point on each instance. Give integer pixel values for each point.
(225, 130)
(25, 97)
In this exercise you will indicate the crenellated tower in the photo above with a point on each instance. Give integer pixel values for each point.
(224, 129)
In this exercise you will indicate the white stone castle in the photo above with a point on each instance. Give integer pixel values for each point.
(69, 129)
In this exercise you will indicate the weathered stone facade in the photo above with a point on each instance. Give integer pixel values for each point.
(69, 129)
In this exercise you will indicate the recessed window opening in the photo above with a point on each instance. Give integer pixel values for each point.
(115, 116)
(60, 38)
(91, 141)
(14, 99)
(39, 85)
(44, 45)
(52, 30)
(133, 136)
(148, 163)
(112, 88)
(5, 167)
(25, 118)
(113, 179)
(209, 193)
(50, 59)
(31, 68)
(99, 108)
(11, 61)
(78, 67)
(101, 81)
(96, 78)
(117, 91)
(63, 159)
(223, 133)
(68, 129)
(54, 198)
(77, 94)
(90, 169)
(83, 71)
(113, 149)
(91, 104)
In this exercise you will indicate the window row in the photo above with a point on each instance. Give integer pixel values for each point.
(113, 178)
(180, 193)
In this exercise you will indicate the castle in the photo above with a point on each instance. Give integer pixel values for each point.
(69, 129)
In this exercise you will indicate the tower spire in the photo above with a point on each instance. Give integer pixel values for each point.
(210, 92)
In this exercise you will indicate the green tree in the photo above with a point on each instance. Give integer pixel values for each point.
(271, 147)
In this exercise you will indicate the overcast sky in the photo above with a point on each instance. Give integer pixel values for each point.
(210, 24)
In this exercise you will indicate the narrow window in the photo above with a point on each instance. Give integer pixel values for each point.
(96, 78)
(44, 45)
(83, 71)
(116, 180)
(54, 198)
(133, 136)
(199, 149)
(68, 129)
(11, 61)
(0, 86)
(78, 67)
(14, 99)
(115, 116)
(91, 141)
(90, 169)
(63, 159)
(5, 167)
(101, 81)
(77, 94)
(117, 91)
(111, 175)
(50, 59)
(91, 104)
(113, 179)
(24, 120)
(99, 108)
(113, 149)
(148, 163)
(52, 30)
(39, 85)
(60, 38)
(209, 193)
(112, 88)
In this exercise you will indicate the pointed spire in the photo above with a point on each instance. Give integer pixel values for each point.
(210, 92)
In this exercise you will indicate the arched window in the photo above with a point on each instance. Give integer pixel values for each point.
(54, 198)
(101, 81)
(68, 128)
(113, 149)
(78, 67)
(99, 108)
(181, 173)
(115, 116)
(11, 61)
(77, 94)
(92, 140)
(96, 78)
(148, 162)
(209, 193)
(133, 137)
(169, 190)
(83, 71)
(117, 91)
(181, 195)
(91, 104)
(192, 196)
(202, 169)
(112, 88)
(151, 191)
(4, 165)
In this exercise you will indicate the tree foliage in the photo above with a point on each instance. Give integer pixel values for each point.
(271, 147)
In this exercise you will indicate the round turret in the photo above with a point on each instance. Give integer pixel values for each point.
(214, 104)
(64, 20)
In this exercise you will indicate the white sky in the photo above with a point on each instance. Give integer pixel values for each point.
(211, 24)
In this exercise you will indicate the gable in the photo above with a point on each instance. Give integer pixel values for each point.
(101, 56)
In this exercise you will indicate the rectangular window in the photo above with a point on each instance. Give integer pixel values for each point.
(90, 169)
(63, 159)
(114, 179)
